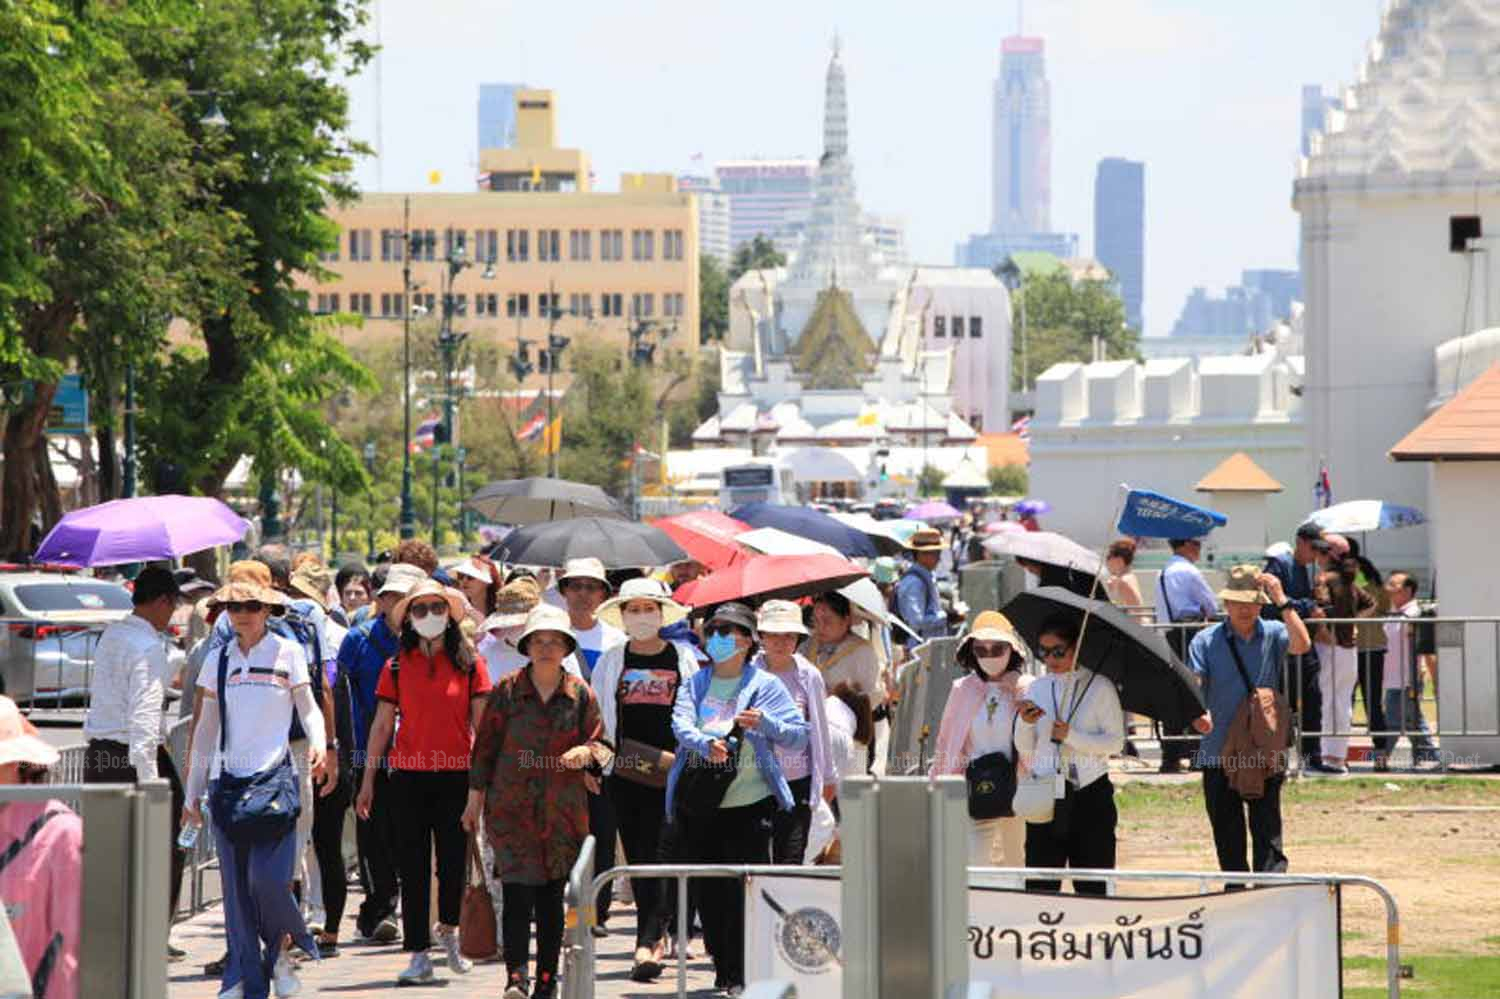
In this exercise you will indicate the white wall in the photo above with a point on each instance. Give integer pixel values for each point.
(981, 368)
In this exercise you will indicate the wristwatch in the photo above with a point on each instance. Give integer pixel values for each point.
(1281, 608)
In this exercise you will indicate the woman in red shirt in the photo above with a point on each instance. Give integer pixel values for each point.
(437, 684)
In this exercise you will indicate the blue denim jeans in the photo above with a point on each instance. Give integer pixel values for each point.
(259, 909)
(1403, 712)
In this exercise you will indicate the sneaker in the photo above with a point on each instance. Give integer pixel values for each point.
(386, 931)
(457, 963)
(175, 954)
(215, 969)
(418, 972)
(235, 991)
(317, 920)
(546, 985)
(285, 979)
(515, 986)
(734, 991)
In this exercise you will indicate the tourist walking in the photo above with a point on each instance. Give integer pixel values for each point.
(809, 769)
(1298, 571)
(1338, 653)
(1071, 725)
(1369, 638)
(1123, 588)
(842, 655)
(1232, 659)
(355, 591)
(980, 719)
(636, 685)
(734, 700)
(917, 599)
(538, 747)
(251, 687)
(1184, 599)
(435, 687)
(1402, 677)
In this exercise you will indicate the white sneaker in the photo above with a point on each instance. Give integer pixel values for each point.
(285, 979)
(235, 991)
(457, 963)
(418, 972)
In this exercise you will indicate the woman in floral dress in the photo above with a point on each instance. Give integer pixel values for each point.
(537, 753)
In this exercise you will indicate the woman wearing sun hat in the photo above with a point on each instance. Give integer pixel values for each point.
(537, 751)
(436, 684)
(251, 685)
(981, 717)
(636, 684)
(479, 579)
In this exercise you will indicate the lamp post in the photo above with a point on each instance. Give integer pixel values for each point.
(643, 355)
(555, 346)
(461, 456)
(370, 497)
(411, 244)
(127, 486)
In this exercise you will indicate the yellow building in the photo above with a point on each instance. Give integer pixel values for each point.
(538, 237)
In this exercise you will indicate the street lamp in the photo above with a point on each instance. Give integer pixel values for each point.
(643, 355)
(370, 498)
(553, 355)
(412, 243)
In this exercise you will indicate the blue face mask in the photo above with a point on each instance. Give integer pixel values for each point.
(720, 647)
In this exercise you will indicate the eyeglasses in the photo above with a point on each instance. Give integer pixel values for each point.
(991, 648)
(722, 629)
(1053, 651)
(244, 606)
(422, 610)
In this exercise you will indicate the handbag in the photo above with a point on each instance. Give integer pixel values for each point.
(476, 915)
(702, 785)
(257, 808)
(991, 782)
(636, 761)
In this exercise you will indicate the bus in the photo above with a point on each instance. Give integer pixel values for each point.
(758, 481)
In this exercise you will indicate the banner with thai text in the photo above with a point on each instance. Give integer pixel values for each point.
(1278, 941)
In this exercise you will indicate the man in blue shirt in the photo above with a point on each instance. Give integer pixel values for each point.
(1182, 598)
(917, 600)
(1298, 572)
(1217, 656)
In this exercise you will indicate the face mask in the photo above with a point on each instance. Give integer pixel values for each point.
(720, 647)
(641, 626)
(994, 665)
(430, 626)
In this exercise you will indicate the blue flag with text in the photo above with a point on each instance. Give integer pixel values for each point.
(1148, 514)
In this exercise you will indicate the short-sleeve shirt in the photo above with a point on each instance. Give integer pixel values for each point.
(647, 692)
(1224, 690)
(594, 642)
(716, 717)
(433, 700)
(258, 701)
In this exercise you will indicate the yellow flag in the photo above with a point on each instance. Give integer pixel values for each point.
(434, 177)
(536, 177)
(552, 437)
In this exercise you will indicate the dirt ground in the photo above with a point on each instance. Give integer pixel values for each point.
(1443, 867)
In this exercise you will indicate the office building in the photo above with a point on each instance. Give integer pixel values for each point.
(1120, 229)
(714, 214)
(497, 114)
(1315, 108)
(765, 196)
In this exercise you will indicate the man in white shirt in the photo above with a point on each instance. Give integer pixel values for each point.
(1402, 679)
(1183, 596)
(127, 692)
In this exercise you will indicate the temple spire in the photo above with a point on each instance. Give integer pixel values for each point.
(835, 109)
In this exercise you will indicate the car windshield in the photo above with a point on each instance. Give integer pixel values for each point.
(60, 596)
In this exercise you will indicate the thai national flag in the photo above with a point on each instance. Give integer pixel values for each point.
(1022, 428)
(426, 434)
(532, 428)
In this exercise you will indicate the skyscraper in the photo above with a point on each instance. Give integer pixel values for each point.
(713, 215)
(497, 114)
(1315, 108)
(1120, 229)
(1022, 137)
(765, 195)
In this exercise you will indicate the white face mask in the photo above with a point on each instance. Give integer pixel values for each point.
(641, 625)
(994, 665)
(431, 626)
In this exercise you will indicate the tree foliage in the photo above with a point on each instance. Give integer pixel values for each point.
(713, 300)
(758, 254)
(1062, 319)
(1008, 480)
(930, 481)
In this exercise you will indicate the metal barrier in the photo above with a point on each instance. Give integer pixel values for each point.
(578, 922)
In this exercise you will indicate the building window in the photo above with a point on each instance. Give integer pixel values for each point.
(390, 245)
(426, 302)
(642, 244)
(518, 306)
(429, 244)
(581, 305)
(360, 244)
(671, 244)
(460, 304)
(547, 304)
(548, 245)
(611, 244)
(486, 305)
(385, 304)
(976, 329)
(486, 245)
(364, 304)
(940, 327)
(331, 254)
(958, 327)
(544, 362)
(328, 303)
(671, 304)
(517, 245)
(398, 303)
(643, 306)
(610, 304)
(455, 242)
(579, 244)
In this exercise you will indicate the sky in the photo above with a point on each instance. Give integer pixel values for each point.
(1206, 93)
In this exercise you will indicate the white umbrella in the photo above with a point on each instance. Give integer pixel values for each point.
(774, 541)
(1046, 547)
(1359, 516)
(865, 597)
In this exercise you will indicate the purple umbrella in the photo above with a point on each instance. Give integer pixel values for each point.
(141, 529)
(1032, 507)
(933, 510)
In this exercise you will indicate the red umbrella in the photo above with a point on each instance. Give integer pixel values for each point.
(771, 576)
(707, 536)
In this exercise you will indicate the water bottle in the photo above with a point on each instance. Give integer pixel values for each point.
(187, 840)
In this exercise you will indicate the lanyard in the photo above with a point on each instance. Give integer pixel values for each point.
(1078, 696)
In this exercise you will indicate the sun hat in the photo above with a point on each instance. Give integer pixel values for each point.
(472, 569)
(885, 570)
(250, 571)
(780, 617)
(1243, 586)
(514, 601)
(734, 612)
(190, 584)
(241, 592)
(927, 539)
(312, 580)
(993, 626)
(583, 568)
(457, 608)
(19, 740)
(401, 577)
(641, 588)
(545, 617)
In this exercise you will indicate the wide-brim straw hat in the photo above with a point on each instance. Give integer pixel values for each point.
(457, 608)
(992, 626)
(19, 740)
(926, 540)
(780, 617)
(241, 592)
(545, 617)
(513, 604)
(312, 581)
(641, 588)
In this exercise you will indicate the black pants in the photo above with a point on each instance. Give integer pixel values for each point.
(1369, 682)
(108, 762)
(376, 840)
(1227, 814)
(328, 844)
(1175, 751)
(602, 825)
(641, 813)
(1086, 838)
(1306, 700)
(789, 829)
(729, 836)
(431, 805)
(521, 904)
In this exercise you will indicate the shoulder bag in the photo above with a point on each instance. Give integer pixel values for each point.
(258, 808)
(636, 761)
(991, 781)
(702, 785)
(476, 916)
(1274, 713)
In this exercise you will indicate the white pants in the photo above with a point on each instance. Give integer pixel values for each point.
(1337, 671)
(997, 842)
(304, 818)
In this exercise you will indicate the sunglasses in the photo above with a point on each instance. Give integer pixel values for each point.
(422, 610)
(722, 629)
(244, 606)
(1053, 651)
(990, 648)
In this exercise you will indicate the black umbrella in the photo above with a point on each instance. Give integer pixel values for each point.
(619, 544)
(534, 500)
(1152, 680)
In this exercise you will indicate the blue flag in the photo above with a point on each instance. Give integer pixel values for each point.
(1147, 514)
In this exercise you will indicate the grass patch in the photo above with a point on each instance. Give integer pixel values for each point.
(1136, 799)
(1437, 977)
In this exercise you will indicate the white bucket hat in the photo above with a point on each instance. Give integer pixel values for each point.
(400, 578)
(545, 617)
(583, 568)
(780, 617)
(642, 588)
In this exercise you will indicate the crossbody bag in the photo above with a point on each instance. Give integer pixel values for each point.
(1271, 704)
(991, 781)
(257, 808)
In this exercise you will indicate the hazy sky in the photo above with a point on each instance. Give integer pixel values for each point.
(1206, 92)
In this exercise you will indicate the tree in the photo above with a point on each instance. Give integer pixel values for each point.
(758, 254)
(608, 411)
(1062, 319)
(713, 299)
(1008, 480)
(930, 481)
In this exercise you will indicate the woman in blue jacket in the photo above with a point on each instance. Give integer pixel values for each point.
(734, 692)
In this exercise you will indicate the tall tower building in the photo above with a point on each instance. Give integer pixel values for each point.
(497, 114)
(1120, 229)
(1022, 139)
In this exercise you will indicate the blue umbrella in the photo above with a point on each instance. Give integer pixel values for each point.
(809, 524)
(1358, 516)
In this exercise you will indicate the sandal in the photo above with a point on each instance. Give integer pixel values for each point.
(328, 944)
(648, 968)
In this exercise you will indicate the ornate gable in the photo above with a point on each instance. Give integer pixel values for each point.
(834, 351)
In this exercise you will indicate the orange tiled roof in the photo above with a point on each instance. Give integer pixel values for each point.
(1238, 473)
(1004, 449)
(1465, 428)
